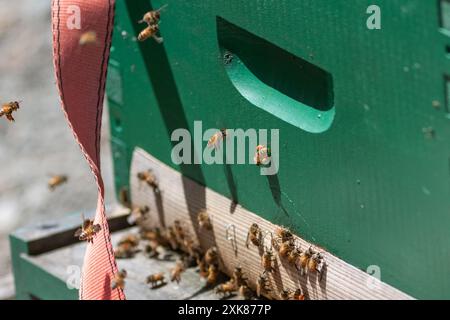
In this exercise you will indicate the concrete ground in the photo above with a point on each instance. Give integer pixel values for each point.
(39, 143)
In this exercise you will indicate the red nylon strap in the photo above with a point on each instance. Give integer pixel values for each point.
(81, 76)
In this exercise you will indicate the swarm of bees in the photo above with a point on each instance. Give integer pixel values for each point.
(262, 155)
(87, 231)
(152, 19)
(217, 138)
(119, 280)
(8, 108)
(56, 181)
(149, 178)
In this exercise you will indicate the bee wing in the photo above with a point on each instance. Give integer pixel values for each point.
(87, 223)
(97, 227)
(78, 232)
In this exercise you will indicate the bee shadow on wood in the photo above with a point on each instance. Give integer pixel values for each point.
(171, 108)
(159, 207)
(277, 276)
(274, 185)
(157, 286)
(231, 183)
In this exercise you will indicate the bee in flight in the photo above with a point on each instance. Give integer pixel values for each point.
(150, 32)
(89, 37)
(88, 230)
(8, 108)
(152, 17)
(56, 181)
(216, 139)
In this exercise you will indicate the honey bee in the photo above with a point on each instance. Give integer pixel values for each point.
(152, 17)
(87, 231)
(285, 294)
(56, 181)
(262, 155)
(203, 220)
(119, 279)
(176, 272)
(192, 249)
(152, 249)
(89, 37)
(216, 139)
(150, 32)
(8, 109)
(293, 256)
(211, 256)
(124, 251)
(303, 259)
(138, 214)
(153, 279)
(245, 292)
(226, 289)
(203, 267)
(238, 277)
(315, 263)
(178, 230)
(149, 178)
(268, 260)
(254, 235)
(130, 239)
(171, 237)
(124, 197)
(262, 285)
(297, 295)
(213, 273)
(286, 248)
(283, 234)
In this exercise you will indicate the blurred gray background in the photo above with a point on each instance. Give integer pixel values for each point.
(39, 143)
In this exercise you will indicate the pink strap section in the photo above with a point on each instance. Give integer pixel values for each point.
(81, 76)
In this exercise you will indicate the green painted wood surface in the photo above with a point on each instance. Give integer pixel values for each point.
(369, 186)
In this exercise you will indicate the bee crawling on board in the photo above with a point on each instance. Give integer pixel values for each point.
(216, 139)
(156, 278)
(213, 274)
(119, 279)
(153, 17)
(262, 155)
(87, 231)
(8, 108)
(88, 38)
(150, 32)
(203, 220)
(286, 248)
(149, 178)
(130, 239)
(124, 251)
(297, 295)
(226, 289)
(316, 263)
(175, 273)
(245, 292)
(211, 256)
(203, 267)
(293, 256)
(283, 234)
(238, 277)
(268, 260)
(254, 235)
(56, 181)
(262, 285)
(285, 294)
(138, 214)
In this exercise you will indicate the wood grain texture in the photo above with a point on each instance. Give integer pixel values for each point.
(181, 199)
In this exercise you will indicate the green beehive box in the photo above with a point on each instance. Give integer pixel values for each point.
(363, 114)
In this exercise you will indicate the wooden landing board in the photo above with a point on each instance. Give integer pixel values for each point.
(181, 198)
(138, 268)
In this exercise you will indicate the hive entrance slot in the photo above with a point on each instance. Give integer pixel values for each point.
(275, 80)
